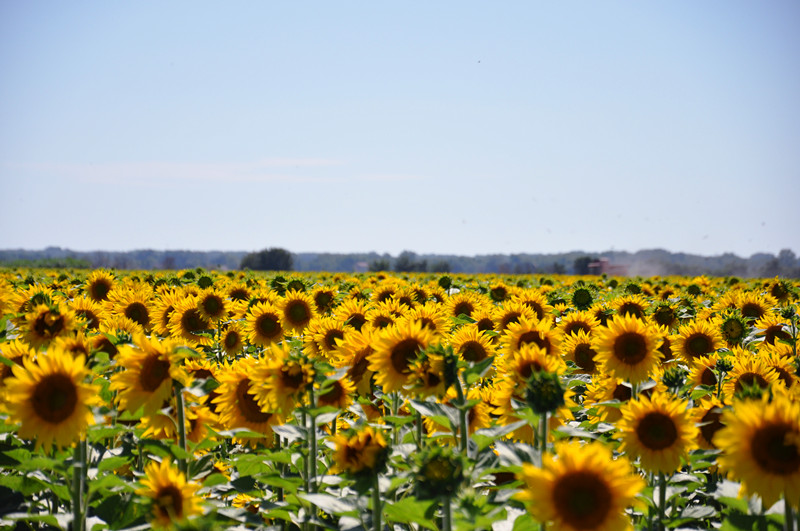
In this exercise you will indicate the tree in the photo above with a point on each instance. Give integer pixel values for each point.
(272, 259)
(581, 265)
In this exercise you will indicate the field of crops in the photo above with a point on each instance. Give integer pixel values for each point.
(241, 400)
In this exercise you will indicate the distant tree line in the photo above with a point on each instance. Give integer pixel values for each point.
(641, 263)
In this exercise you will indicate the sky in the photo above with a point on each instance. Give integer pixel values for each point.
(447, 127)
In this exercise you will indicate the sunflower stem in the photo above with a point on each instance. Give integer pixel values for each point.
(78, 469)
(447, 516)
(463, 419)
(543, 433)
(312, 454)
(182, 463)
(418, 428)
(662, 500)
(395, 409)
(376, 503)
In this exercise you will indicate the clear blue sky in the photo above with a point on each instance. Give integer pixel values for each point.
(452, 127)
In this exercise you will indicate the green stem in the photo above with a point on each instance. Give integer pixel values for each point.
(543, 433)
(280, 467)
(312, 454)
(78, 475)
(418, 428)
(788, 523)
(376, 503)
(662, 500)
(447, 516)
(182, 463)
(395, 409)
(463, 419)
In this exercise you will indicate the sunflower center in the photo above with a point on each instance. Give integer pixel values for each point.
(733, 329)
(749, 379)
(632, 309)
(464, 308)
(99, 290)
(775, 449)
(708, 377)
(356, 320)
(532, 336)
(137, 312)
(752, 310)
(248, 406)
(333, 395)
(630, 348)
(292, 377)
(231, 339)
(268, 326)
(169, 502)
(154, 371)
(48, 324)
(54, 398)
(331, 336)
(92, 321)
(698, 344)
(403, 353)
(193, 321)
(576, 326)
(657, 431)
(582, 500)
(710, 425)
(775, 332)
(213, 306)
(297, 313)
(584, 357)
(473, 351)
(623, 393)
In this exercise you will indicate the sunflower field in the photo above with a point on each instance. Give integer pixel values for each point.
(241, 400)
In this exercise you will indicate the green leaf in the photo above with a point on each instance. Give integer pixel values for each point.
(112, 463)
(23, 484)
(475, 372)
(215, 479)
(487, 436)
(330, 504)
(411, 511)
(525, 522)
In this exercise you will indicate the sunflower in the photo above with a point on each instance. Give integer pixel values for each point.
(628, 348)
(212, 305)
(46, 322)
(784, 366)
(321, 337)
(582, 488)
(760, 446)
(633, 305)
(337, 393)
(535, 300)
(695, 339)
(264, 324)
(602, 389)
(394, 349)
(754, 305)
(281, 378)
(530, 331)
(77, 345)
(353, 352)
(732, 327)
(574, 322)
(360, 452)
(772, 327)
(472, 344)
(15, 351)
(702, 371)
(89, 311)
(149, 368)
(237, 406)
(161, 309)
(707, 416)
(431, 315)
(748, 370)
(173, 499)
(99, 285)
(664, 313)
(657, 429)
(464, 303)
(232, 338)
(132, 304)
(50, 399)
(511, 312)
(187, 323)
(578, 349)
(296, 309)
(352, 312)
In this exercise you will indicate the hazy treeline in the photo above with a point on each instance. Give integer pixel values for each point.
(641, 263)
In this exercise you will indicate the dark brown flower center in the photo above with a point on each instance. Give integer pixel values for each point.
(708, 377)
(248, 406)
(710, 425)
(137, 312)
(297, 313)
(330, 338)
(698, 345)
(403, 353)
(535, 337)
(169, 502)
(54, 398)
(630, 348)
(154, 370)
(584, 358)
(48, 324)
(463, 307)
(749, 379)
(582, 500)
(473, 351)
(656, 431)
(268, 326)
(192, 321)
(775, 448)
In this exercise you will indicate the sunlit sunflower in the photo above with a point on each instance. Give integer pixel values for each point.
(352, 312)
(695, 339)
(628, 348)
(264, 324)
(707, 415)
(602, 389)
(15, 351)
(99, 285)
(296, 311)
(237, 406)
(232, 338)
(149, 368)
(760, 446)
(783, 365)
(161, 309)
(431, 315)
(772, 327)
(281, 378)
(132, 304)
(464, 303)
(657, 429)
(50, 400)
(578, 349)
(535, 300)
(188, 324)
(364, 451)
(664, 313)
(748, 369)
(633, 305)
(89, 311)
(353, 352)
(472, 344)
(394, 349)
(754, 305)
(212, 305)
(427, 376)
(574, 322)
(173, 500)
(46, 322)
(321, 337)
(77, 345)
(530, 331)
(337, 393)
(581, 488)
(702, 371)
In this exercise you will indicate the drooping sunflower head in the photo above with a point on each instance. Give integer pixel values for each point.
(657, 429)
(628, 348)
(583, 487)
(50, 400)
(760, 444)
(173, 500)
